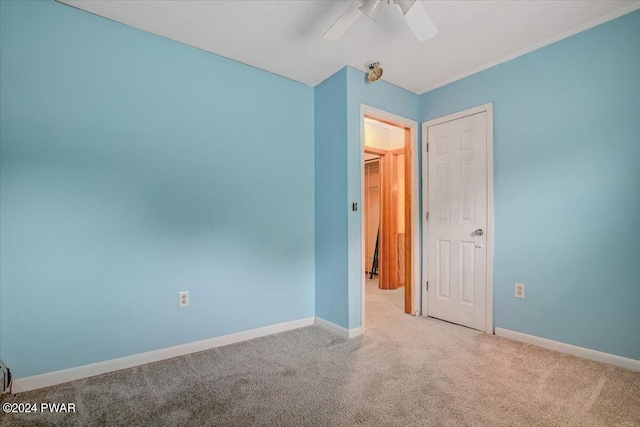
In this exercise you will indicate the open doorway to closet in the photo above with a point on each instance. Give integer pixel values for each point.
(389, 211)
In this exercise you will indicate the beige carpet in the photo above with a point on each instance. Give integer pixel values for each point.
(406, 371)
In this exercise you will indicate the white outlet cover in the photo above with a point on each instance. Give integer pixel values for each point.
(520, 290)
(183, 299)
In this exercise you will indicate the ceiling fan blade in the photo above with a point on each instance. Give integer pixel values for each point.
(343, 23)
(420, 22)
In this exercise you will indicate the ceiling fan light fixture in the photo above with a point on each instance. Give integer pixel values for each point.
(375, 71)
(371, 8)
(412, 11)
(405, 5)
(346, 20)
(420, 23)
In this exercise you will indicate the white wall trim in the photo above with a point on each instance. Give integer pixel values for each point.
(337, 329)
(79, 372)
(598, 21)
(583, 352)
(415, 202)
(488, 108)
(355, 332)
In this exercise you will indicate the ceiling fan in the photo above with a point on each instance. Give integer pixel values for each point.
(414, 14)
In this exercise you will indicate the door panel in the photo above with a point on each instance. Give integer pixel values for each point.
(467, 273)
(443, 270)
(444, 191)
(389, 219)
(457, 197)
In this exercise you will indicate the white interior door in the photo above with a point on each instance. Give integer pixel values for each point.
(457, 225)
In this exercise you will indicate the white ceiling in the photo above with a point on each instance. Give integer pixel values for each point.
(285, 37)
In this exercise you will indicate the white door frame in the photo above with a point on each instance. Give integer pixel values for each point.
(488, 108)
(415, 206)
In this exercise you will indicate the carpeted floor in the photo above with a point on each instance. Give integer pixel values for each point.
(406, 371)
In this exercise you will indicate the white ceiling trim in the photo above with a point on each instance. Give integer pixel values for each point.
(601, 20)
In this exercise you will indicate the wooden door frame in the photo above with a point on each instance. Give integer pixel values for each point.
(412, 286)
(378, 152)
(488, 108)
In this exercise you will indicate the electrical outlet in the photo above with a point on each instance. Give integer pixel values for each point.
(183, 300)
(520, 290)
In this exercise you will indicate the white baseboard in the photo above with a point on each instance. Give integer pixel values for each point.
(338, 330)
(79, 372)
(355, 332)
(586, 353)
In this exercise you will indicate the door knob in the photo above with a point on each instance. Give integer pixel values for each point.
(478, 232)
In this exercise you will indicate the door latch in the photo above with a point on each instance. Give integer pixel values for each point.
(478, 236)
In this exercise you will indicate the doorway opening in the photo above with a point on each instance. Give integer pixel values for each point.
(390, 235)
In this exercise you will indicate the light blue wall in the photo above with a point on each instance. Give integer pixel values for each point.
(567, 185)
(331, 199)
(392, 99)
(131, 168)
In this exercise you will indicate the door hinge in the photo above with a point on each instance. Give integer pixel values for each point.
(427, 216)
(427, 285)
(427, 144)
